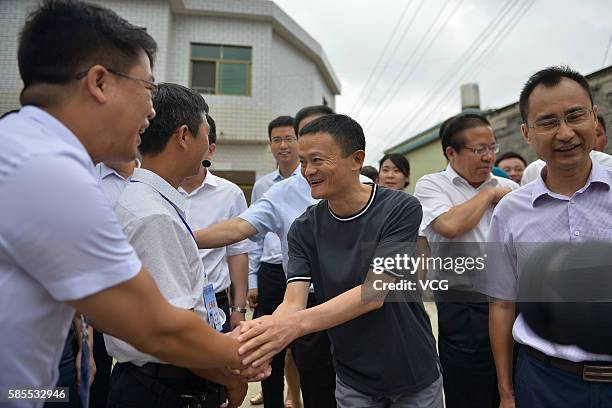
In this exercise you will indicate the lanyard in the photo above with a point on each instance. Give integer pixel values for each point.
(175, 209)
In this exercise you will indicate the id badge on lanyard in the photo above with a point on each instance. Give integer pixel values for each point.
(216, 316)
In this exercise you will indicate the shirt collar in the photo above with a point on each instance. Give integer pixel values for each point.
(106, 171)
(162, 187)
(454, 177)
(210, 180)
(597, 175)
(278, 176)
(57, 129)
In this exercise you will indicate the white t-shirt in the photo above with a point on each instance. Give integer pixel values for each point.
(216, 200)
(59, 241)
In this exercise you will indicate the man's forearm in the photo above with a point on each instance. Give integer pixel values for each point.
(239, 270)
(136, 312)
(334, 312)
(501, 319)
(463, 217)
(224, 233)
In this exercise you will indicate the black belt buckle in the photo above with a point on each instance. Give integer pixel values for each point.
(597, 373)
(193, 401)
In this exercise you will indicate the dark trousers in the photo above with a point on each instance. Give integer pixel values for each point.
(130, 388)
(223, 304)
(99, 389)
(67, 375)
(468, 369)
(313, 358)
(271, 285)
(538, 385)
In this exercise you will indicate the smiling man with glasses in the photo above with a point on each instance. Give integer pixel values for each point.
(569, 202)
(458, 205)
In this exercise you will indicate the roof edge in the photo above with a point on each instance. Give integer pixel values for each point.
(265, 10)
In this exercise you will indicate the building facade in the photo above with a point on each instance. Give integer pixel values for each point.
(424, 150)
(248, 58)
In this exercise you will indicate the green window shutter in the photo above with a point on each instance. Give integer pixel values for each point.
(237, 53)
(205, 51)
(234, 79)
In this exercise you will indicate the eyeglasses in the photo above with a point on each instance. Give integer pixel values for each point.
(279, 140)
(573, 119)
(479, 151)
(151, 86)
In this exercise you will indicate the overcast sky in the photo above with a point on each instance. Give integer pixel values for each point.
(415, 83)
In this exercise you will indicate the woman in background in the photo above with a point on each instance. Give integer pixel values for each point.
(394, 171)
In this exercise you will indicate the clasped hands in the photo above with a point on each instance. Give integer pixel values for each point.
(261, 339)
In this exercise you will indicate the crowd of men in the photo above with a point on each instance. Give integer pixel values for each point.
(128, 280)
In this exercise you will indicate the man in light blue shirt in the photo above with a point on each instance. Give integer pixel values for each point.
(266, 274)
(569, 202)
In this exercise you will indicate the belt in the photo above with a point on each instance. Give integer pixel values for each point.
(589, 371)
(222, 295)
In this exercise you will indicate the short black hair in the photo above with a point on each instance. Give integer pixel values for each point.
(451, 130)
(510, 155)
(280, 122)
(310, 111)
(212, 133)
(175, 105)
(400, 161)
(601, 120)
(63, 37)
(370, 172)
(549, 77)
(347, 133)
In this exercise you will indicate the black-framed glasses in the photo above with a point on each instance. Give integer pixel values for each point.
(151, 86)
(480, 150)
(573, 119)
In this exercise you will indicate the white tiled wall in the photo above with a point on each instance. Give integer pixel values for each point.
(283, 78)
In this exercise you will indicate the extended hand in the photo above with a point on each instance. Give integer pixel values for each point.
(263, 338)
(248, 372)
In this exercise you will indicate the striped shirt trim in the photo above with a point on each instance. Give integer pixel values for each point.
(361, 212)
(299, 279)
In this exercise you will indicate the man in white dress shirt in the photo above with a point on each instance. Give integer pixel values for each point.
(152, 213)
(61, 248)
(457, 207)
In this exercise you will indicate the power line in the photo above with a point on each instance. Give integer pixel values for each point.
(453, 70)
(373, 87)
(386, 101)
(603, 64)
(381, 55)
(491, 47)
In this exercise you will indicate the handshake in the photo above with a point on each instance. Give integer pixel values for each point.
(261, 339)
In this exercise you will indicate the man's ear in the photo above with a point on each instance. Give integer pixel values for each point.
(180, 136)
(97, 83)
(212, 148)
(525, 132)
(450, 152)
(358, 159)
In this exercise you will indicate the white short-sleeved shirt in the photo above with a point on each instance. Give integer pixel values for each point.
(164, 244)
(533, 170)
(216, 200)
(438, 193)
(112, 182)
(59, 241)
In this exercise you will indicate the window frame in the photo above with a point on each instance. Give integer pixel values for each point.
(218, 62)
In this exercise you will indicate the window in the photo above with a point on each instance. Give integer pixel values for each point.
(221, 69)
